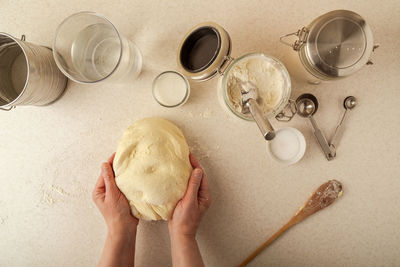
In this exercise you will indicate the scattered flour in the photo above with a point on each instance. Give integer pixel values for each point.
(48, 194)
(206, 114)
(59, 190)
(47, 198)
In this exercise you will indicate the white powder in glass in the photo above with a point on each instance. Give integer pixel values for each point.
(170, 89)
(288, 146)
(285, 145)
(263, 74)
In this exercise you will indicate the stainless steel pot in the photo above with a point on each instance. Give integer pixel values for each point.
(334, 45)
(28, 74)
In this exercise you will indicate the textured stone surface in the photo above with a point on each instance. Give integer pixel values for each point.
(50, 156)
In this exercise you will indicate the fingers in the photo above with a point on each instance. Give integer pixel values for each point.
(204, 196)
(100, 184)
(194, 185)
(99, 190)
(195, 163)
(105, 184)
(109, 179)
(111, 159)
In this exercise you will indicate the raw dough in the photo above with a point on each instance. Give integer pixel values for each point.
(152, 167)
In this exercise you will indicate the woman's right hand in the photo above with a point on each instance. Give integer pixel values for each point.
(186, 218)
(191, 208)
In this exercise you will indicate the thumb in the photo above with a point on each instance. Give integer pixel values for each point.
(194, 184)
(109, 179)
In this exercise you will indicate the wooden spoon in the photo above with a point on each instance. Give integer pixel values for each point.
(325, 195)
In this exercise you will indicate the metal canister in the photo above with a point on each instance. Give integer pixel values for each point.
(334, 45)
(28, 74)
(204, 51)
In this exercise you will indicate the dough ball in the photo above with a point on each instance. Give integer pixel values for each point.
(152, 167)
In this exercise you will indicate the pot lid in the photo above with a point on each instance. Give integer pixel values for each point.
(338, 43)
(204, 51)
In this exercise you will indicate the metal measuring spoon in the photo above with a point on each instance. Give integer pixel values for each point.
(349, 103)
(249, 101)
(307, 106)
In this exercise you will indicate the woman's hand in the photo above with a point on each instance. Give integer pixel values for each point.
(119, 249)
(191, 208)
(186, 218)
(112, 204)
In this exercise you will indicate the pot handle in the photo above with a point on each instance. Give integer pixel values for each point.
(7, 109)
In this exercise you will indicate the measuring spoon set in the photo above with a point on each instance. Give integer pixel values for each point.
(307, 106)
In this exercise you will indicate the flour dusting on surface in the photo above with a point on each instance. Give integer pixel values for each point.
(206, 114)
(50, 193)
(47, 198)
(59, 190)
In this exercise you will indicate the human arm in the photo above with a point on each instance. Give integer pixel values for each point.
(186, 219)
(119, 248)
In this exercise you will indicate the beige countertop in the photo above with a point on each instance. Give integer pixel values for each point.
(50, 156)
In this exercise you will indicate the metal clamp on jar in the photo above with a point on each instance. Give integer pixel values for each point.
(334, 45)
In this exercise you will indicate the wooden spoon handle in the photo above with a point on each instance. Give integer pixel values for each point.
(324, 196)
(268, 242)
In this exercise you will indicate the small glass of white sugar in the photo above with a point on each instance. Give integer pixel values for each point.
(288, 146)
(171, 89)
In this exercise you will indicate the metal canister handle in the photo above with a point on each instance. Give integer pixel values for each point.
(7, 109)
(23, 37)
(302, 37)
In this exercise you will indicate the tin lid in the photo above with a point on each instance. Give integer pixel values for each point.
(204, 51)
(338, 43)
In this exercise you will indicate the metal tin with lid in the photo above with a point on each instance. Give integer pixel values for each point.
(334, 45)
(205, 51)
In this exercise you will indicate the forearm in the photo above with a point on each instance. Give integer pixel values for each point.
(119, 250)
(185, 251)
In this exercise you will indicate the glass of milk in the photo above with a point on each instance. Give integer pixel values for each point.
(88, 49)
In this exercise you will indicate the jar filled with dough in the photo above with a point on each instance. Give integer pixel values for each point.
(205, 52)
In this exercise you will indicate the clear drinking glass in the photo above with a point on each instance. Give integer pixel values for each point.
(88, 49)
